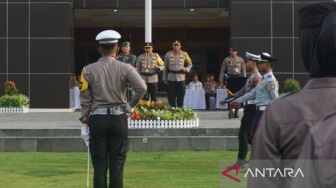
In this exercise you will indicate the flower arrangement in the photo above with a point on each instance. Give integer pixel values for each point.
(12, 96)
(150, 110)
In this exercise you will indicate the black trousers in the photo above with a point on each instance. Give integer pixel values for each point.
(245, 130)
(255, 123)
(151, 93)
(207, 97)
(176, 89)
(108, 148)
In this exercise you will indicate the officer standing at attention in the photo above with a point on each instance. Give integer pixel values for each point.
(250, 108)
(177, 64)
(104, 109)
(264, 92)
(126, 57)
(149, 64)
(234, 67)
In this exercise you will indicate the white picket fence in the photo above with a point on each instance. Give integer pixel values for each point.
(162, 124)
(13, 110)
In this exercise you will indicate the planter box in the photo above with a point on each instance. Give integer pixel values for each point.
(162, 124)
(13, 110)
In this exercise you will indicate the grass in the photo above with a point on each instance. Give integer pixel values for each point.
(142, 170)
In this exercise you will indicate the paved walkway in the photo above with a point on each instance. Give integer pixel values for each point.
(69, 120)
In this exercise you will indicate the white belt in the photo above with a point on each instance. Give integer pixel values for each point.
(248, 102)
(261, 108)
(116, 110)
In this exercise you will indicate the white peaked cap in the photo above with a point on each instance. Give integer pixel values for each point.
(108, 37)
(253, 57)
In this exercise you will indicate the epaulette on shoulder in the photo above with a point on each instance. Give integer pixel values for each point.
(269, 76)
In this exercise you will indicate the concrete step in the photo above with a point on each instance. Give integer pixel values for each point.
(136, 143)
(132, 132)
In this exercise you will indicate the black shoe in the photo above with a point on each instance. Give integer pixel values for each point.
(235, 116)
(243, 162)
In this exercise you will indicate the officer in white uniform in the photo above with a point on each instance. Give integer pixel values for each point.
(104, 109)
(265, 91)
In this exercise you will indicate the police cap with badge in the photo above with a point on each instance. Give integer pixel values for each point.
(108, 38)
(267, 58)
(148, 45)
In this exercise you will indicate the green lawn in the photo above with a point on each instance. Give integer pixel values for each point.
(142, 170)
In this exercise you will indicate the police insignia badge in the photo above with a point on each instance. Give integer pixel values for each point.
(272, 86)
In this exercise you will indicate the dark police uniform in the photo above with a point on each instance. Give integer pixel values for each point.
(103, 90)
(146, 67)
(174, 63)
(130, 59)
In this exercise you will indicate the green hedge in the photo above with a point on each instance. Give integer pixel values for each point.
(18, 100)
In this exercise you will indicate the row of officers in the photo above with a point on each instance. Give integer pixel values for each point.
(175, 65)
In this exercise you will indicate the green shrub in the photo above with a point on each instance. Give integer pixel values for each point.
(291, 85)
(18, 100)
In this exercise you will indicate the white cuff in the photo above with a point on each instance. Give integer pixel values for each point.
(129, 108)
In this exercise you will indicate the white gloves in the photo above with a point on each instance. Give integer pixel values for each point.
(129, 109)
(85, 133)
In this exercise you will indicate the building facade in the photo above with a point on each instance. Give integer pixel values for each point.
(43, 42)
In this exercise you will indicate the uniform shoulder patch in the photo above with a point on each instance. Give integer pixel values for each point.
(272, 86)
(83, 84)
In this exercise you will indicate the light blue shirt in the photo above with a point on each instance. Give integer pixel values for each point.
(264, 92)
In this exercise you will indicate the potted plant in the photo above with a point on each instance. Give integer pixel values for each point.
(291, 85)
(13, 101)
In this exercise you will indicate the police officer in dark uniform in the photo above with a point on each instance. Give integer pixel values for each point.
(104, 110)
(127, 57)
(232, 72)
